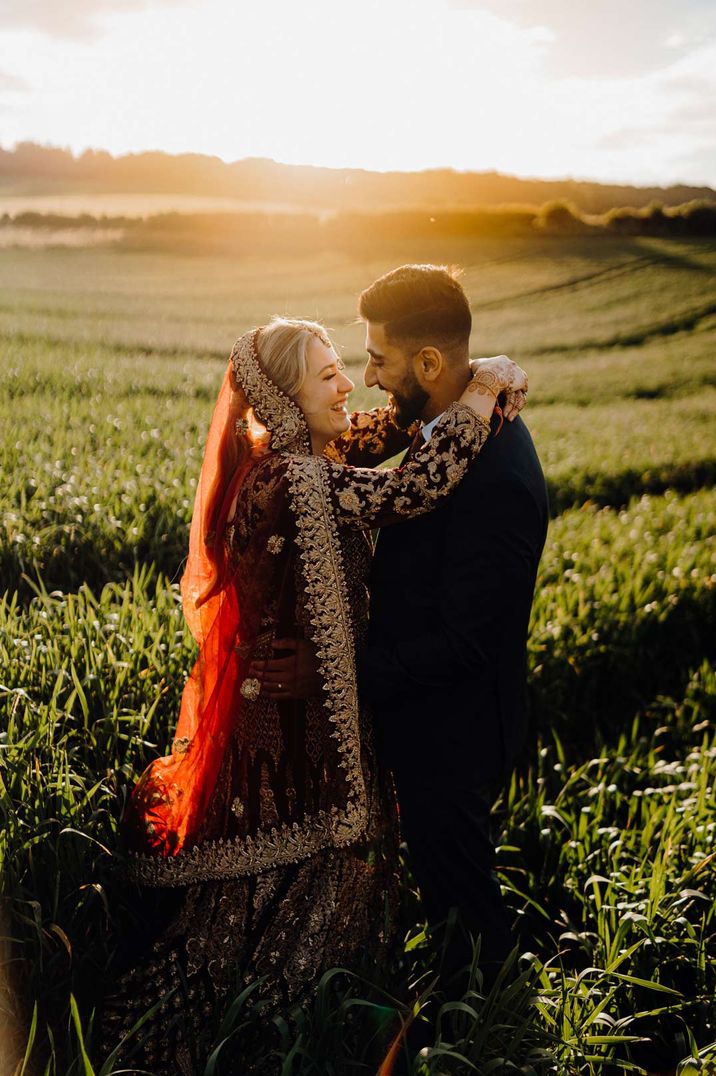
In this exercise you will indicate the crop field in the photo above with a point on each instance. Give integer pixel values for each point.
(110, 364)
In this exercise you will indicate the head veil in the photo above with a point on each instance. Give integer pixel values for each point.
(164, 819)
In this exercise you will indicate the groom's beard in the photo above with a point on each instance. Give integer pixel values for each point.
(409, 401)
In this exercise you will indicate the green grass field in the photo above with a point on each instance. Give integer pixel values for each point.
(111, 362)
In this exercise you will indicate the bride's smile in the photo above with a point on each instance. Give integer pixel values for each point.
(323, 395)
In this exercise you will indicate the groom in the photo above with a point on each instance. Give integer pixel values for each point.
(444, 667)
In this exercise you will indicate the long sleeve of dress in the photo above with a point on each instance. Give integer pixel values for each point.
(365, 497)
(374, 437)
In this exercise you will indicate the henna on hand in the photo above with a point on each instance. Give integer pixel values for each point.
(499, 377)
(515, 400)
(485, 382)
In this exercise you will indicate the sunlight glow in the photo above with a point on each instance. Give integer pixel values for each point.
(402, 85)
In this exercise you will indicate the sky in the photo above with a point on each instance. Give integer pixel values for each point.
(614, 90)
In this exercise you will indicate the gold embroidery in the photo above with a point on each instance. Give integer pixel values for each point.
(269, 811)
(260, 492)
(275, 543)
(349, 500)
(366, 497)
(277, 411)
(374, 437)
(249, 855)
(318, 539)
(251, 688)
(327, 913)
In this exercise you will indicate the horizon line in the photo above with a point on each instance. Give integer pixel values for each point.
(87, 150)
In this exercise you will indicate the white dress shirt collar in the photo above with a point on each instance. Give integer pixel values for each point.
(427, 430)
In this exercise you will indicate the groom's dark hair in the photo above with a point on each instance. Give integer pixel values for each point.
(418, 305)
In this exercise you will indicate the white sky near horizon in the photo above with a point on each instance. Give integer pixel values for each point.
(608, 90)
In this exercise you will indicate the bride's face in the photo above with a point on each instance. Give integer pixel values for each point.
(324, 394)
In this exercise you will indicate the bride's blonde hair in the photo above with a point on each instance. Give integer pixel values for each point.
(282, 346)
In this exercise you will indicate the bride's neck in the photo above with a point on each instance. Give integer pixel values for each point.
(318, 444)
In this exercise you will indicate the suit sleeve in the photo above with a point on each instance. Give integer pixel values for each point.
(373, 438)
(489, 558)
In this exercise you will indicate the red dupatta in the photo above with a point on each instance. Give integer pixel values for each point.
(172, 796)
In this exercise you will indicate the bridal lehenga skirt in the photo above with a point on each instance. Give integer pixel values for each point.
(280, 929)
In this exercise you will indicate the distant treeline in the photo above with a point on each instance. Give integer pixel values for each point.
(30, 168)
(358, 233)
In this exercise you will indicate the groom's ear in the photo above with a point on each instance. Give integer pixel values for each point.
(429, 364)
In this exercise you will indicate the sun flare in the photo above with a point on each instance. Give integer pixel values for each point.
(383, 86)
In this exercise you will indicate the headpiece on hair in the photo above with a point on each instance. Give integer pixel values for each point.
(273, 408)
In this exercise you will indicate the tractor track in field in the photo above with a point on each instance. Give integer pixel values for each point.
(686, 321)
(612, 272)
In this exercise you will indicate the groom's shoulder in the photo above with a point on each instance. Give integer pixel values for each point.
(509, 448)
(509, 455)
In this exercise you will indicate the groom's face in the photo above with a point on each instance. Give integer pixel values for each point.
(392, 370)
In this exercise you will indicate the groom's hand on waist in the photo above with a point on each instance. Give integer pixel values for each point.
(292, 674)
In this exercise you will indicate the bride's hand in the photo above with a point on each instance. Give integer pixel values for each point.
(496, 375)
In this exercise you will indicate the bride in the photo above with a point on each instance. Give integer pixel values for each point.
(268, 836)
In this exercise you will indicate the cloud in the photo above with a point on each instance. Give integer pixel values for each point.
(669, 131)
(625, 138)
(73, 19)
(676, 128)
(694, 114)
(685, 106)
(698, 161)
(698, 85)
(692, 97)
(610, 39)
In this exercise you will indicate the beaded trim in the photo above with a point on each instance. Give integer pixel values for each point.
(275, 410)
(318, 540)
(238, 856)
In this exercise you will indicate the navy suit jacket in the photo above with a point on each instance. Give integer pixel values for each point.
(444, 666)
